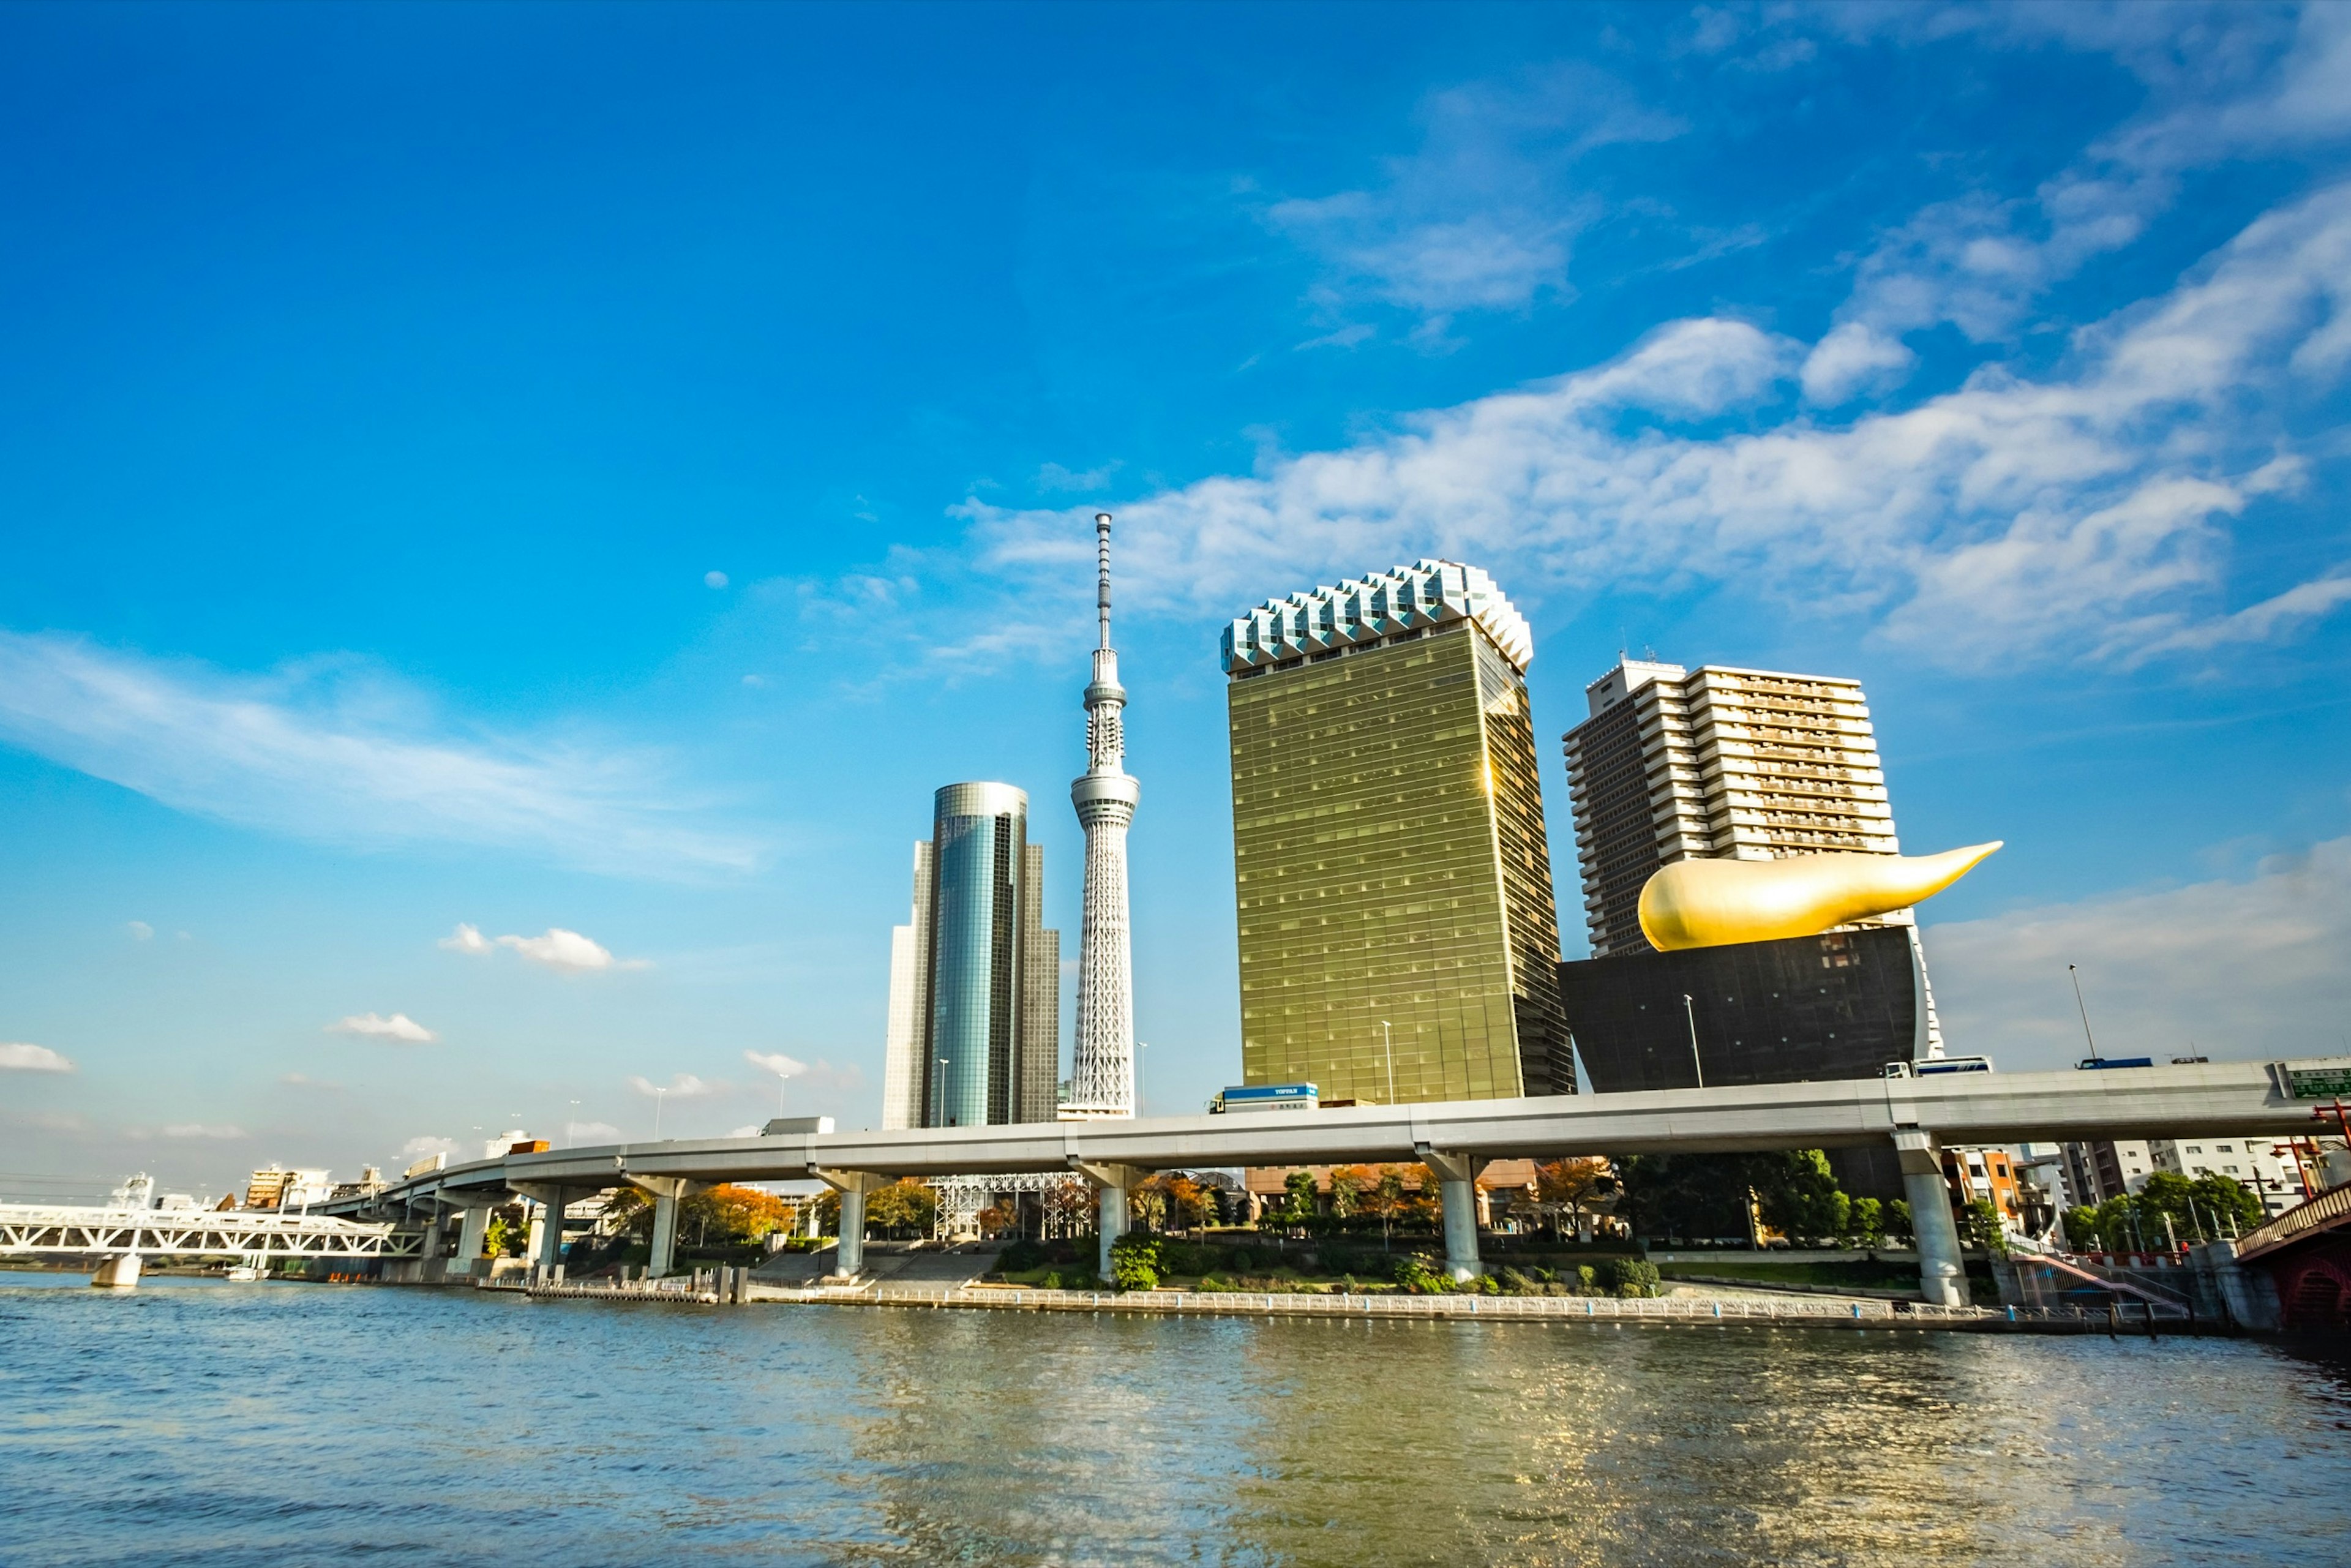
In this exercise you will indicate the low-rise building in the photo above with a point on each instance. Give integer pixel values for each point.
(1975, 1176)
(2263, 1162)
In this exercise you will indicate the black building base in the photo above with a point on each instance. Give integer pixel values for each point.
(1801, 1010)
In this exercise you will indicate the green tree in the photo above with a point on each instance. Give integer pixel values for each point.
(1134, 1262)
(1898, 1219)
(1869, 1222)
(1347, 1184)
(2224, 1204)
(903, 1208)
(2082, 1228)
(1980, 1226)
(1300, 1200)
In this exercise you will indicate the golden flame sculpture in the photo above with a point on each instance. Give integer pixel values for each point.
(1706, 904)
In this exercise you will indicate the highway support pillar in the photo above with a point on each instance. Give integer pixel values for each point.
(1112, 1184)
(665, 1191)
(1457, 1176)
(473, 1235)
(546, 1228)
(1942, 1273)
(852, 1186)
(119, 1272)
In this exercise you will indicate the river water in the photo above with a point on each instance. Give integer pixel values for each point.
(202, 1422)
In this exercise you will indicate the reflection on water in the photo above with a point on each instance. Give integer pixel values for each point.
(229, 1423)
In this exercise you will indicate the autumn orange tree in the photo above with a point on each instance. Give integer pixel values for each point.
(1573, 1185)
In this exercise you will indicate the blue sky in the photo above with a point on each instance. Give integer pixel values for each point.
(380, 389)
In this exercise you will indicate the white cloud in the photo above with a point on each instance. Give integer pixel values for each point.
(326, 751)
(417, 1148)
(751, 1131)
(466, 939)
(777, 1062)
(1854, 358)
(684, 1086)
(19, 1057)
(203, 1130)
(304, 1081)
(2241, 969)
(713, 580)
(1484, 215)
(2221, 83)
(566, 950)
(587, 1131)
(139, 931)
(2087, 514)
(398, 1026)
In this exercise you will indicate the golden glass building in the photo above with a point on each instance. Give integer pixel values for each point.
(1398, 939)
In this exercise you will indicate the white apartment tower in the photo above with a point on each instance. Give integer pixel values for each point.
(1719, 763)
(1102, 1077)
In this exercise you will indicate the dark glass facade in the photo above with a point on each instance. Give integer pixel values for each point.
(1841, 1005)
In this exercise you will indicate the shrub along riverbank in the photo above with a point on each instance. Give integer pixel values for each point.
(1141, 1263)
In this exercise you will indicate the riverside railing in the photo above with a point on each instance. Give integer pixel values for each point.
(1275, 1303)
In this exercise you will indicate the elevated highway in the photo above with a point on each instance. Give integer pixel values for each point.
(1454, 1138)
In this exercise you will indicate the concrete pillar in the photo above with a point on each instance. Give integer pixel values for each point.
(546, 1249)
(1112, 1184)
(119, 1272)
(852, 1186)
(849, 1260)
(666, 1191)
(473, 1235)
(1457, 1176)
(1942, 1275)
(664, 1240)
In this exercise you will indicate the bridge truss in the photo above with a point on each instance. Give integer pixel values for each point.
(1067, 1202)
(30, 1229)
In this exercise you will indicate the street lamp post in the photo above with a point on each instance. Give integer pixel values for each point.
(1689, 1009)
(939, 1099)
(1140, 1059)
(658, 1095)
(1387, 1044)
(2083, 1010)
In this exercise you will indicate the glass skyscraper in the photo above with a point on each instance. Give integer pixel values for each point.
(974, 977)
(1398, 937)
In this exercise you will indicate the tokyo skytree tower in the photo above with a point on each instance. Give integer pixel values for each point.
(1102, 1078)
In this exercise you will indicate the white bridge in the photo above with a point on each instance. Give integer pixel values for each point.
(1453, 1138)
(122, 1237)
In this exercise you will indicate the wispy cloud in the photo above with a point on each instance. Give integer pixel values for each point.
(304, 1081)
(2087, 514)
(2248, 968)
(19, 1057)
(583, 1132)
(1484, 215)
(399, 1027)
(777, 1062)
(557, 948)
(139, 931)
(426, 1144)
(2222, 82)
(684, 1086)
(332, 751)
(569, 951)
(203, 1130)
(466, 939)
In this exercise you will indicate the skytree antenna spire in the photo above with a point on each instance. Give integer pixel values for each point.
(1101, 1081)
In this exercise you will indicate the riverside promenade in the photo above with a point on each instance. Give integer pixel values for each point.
(738, 1287)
